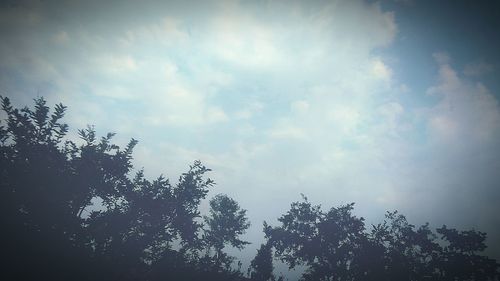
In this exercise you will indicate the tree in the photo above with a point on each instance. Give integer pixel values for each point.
(459, 258)
(414, 253)
(153, 229)
(261, 267)
(406, 253)
(335, 245)
(42, 194)
(224, 224)
(326, 242)
(48, 184)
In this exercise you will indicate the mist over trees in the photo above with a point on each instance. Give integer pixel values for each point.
(154, 230)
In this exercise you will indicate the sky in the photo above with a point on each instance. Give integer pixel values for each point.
(392, 105)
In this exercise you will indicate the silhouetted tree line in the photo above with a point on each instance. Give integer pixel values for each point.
(335, 245)
(153, 230)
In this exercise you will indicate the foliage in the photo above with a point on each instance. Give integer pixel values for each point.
(224, 224)
(335, 245)
(48, 186)
(326, 242)
(261, 267)
(153, 230)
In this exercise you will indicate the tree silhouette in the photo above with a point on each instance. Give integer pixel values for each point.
(327, 243)
(460, 260)
(261, 267)
(47, 187)
(153, 229)
(335, 245)
(225, 223)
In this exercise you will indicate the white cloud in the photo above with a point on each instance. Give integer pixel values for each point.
(391, 113)
(300, 106)
(445, 128)
(249, 110)
(181, 106)
(345, 118)
(467, 112)
(381, 70)
(215, 114)
(115, 64)
(247, 44)
(167, 31)
(288, 132)
(453, 169)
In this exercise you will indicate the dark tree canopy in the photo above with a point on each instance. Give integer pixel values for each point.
(328, 243)
(261, 267)
(153, 229)
(48, 185)
(335, 245)
(225, 223)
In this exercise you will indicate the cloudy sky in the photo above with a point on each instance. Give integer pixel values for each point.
(389, 104)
